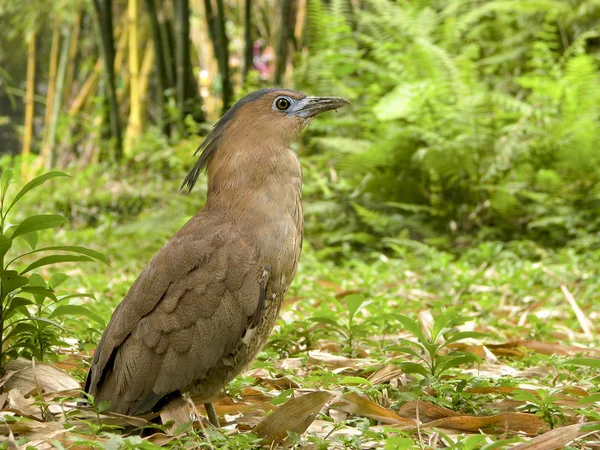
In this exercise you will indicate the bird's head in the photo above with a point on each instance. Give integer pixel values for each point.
(265, 118)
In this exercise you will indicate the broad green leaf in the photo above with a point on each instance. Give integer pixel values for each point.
(5, 245)
(84, 295)
(7, 177)
(593, 398)
(406, 350)
(455, 361)
(37, 280)
(283, 397)
(31, 238)
(39, 290)
(71, 248)
(39, 222)
(35, 183)
(398, 443)
(355, 381)
(15, 305)
(76, 310)
(57, 279)
(11, 281)
(102, 406)
(55, 259)
(353, 303)
(414, 368)
(21, 325)
(588, 362)
(326, 321)
(526, 396)
(411, 326)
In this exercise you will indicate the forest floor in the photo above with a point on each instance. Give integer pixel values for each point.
(496, 347)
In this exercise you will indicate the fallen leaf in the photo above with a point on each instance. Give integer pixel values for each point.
(22, 406)
(554, 439)
(545, 348)
(356, 404)
(425, 411)
(386, 373)
(497, 423)
(295, 415)
(49, 377)
(333, 361)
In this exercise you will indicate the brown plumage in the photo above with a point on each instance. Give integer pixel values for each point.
(204, 305)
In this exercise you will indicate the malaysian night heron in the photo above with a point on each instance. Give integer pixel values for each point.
(205, 304)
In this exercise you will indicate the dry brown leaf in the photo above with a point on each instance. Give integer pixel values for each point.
(296, 415)
(386, 373)
(554, 439)
(545, 348)
(425, 411)
(571, 399)
(49, 377)
(356, 404)
(584, 322)
(279, 383)
(333, 361)
(498, 423)
(22, 406)
(3, 400)
(426, 322)
(347, 292)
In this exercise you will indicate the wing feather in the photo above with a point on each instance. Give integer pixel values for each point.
(187, 310)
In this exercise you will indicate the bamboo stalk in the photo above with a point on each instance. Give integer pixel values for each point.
(135, 116)
(182, 55)
(104, 19)
(87, 87)
(224, 43)
(283, 41)
(49, 155)
(144, 82)
(248, 40)
(51, 84)
(300, 21)
(90, 83)
(29, 105)
(72, 57)
(161, 65)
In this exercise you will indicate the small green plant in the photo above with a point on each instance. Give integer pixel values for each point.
(346, 326)
(29, 305)
(542, 403)
(428, 349)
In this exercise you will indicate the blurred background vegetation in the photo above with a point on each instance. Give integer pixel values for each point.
(472, 120)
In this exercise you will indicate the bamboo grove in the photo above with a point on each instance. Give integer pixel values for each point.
(103, 70)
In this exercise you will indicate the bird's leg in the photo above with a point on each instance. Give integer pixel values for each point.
(212, 414)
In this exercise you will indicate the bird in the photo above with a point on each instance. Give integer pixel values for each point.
(204, 305)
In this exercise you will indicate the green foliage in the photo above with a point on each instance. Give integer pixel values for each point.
(29, 304)
(345, 324)
(428, 349)
(543, 404)
(469, 121)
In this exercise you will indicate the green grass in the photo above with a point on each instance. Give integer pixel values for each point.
(346, 319)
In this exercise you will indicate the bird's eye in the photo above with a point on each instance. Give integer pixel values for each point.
(282, 103)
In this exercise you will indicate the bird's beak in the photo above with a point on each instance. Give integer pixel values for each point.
(311, 106)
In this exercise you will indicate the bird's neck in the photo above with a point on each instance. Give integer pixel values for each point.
(262, 194)
(255, 185)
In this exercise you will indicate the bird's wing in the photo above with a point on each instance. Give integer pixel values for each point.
(189, 308)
